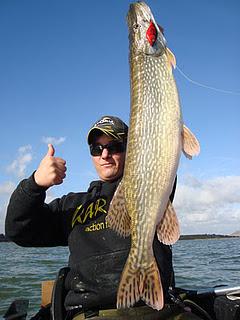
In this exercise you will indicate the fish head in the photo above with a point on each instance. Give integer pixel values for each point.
(145, 35)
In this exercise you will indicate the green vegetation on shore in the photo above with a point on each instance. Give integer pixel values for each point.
(3, 238)
(205, 236)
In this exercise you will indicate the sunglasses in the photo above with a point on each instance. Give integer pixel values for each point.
(112, 147)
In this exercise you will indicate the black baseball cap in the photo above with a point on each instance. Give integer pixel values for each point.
(109, 125)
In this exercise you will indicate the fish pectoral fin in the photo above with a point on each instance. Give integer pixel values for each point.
(190, 144)
(171, 59)
(168, 230)
(140, 283)
(118, 218)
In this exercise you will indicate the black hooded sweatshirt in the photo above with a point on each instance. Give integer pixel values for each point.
(97, 254)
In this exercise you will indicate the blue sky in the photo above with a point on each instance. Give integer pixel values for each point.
(64, 64)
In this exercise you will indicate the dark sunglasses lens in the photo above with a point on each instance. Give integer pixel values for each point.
(112, 147)
(96, 150)
(116, 147)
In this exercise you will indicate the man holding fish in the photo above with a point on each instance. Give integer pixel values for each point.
(137, 170)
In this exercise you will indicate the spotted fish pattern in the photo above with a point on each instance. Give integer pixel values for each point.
(141, 206)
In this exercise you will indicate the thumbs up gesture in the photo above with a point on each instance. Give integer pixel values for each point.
(51, 170)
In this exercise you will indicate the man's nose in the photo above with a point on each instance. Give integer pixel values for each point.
(105, 153)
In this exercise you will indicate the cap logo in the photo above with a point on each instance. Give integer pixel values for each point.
(105, 120)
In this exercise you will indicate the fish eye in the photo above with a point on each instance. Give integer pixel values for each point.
(136, 26)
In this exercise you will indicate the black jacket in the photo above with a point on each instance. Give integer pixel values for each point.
(97, 254)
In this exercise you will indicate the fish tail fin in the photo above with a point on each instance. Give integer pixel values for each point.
(139, 284)
(128, 290)
(152, 292)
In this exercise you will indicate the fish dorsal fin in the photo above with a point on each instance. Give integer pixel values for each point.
(168, 230)
(171, 59)
(190, 144)
(118, 218)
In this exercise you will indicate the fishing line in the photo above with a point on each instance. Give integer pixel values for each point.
(204, 85)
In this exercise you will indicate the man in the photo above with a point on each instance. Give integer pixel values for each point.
(97, 254)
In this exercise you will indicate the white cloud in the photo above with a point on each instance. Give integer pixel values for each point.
(18, 168)
(19, 165)
(7, 187)
(53, 140)
(209, 206)
(25, 149)
(3, 209)
(50, 196)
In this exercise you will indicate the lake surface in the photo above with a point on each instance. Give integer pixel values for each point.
(197, 264)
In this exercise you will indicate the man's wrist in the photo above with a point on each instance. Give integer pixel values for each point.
(34, 186)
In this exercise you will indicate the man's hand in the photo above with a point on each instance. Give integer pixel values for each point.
(51, 170)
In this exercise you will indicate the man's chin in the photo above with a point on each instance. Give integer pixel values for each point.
(109, 175)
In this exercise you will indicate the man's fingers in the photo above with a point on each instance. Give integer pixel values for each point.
(59, 172)
(60, 160)
(61, 165)
(57, 180)
(51, 150)
(59, 176)
(56, 177)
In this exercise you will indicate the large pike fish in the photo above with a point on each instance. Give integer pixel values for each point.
(141, 206)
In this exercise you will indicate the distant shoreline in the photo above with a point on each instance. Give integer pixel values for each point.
(206, 236)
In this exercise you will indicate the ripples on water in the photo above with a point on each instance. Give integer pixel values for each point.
(197, 264)
(207, 263)
(23, 269)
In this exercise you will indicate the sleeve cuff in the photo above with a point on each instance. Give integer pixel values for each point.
(32, 187)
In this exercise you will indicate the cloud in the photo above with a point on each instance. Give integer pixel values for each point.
(3, 209)
(17, 168)
(19, 165)
(50, 196)
(53, 140)
(208, 206)
(24, 149)
(6, 189)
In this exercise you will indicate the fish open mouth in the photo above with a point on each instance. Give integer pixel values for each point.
(146, 35)
(151, 34)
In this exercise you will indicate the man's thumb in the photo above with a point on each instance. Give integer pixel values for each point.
(51, 150)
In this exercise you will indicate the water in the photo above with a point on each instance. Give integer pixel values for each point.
(23, 269)
(197, 264)
(207, 263)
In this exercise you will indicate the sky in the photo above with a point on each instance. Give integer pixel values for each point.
(64, 64)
